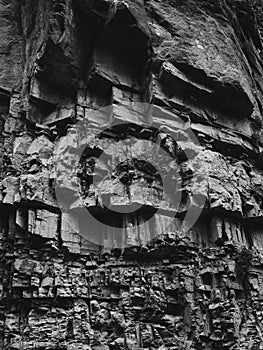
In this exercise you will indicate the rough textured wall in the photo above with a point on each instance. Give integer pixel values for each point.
(141, 279)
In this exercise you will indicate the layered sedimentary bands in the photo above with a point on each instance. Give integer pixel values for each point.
(145, 278)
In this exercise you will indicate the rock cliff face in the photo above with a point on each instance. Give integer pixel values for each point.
(95, 97)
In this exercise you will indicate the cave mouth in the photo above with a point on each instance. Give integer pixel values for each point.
(123, 50)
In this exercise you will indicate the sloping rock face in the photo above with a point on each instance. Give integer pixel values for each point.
(131, 162)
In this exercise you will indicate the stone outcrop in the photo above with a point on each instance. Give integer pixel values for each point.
(131, 162)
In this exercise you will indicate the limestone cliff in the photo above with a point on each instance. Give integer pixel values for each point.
(131, 162)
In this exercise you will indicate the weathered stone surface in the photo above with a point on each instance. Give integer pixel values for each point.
(146, 116)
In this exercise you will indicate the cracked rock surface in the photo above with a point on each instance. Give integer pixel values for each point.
(136, 113)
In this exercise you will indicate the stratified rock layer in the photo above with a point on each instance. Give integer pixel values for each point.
(148, 278)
